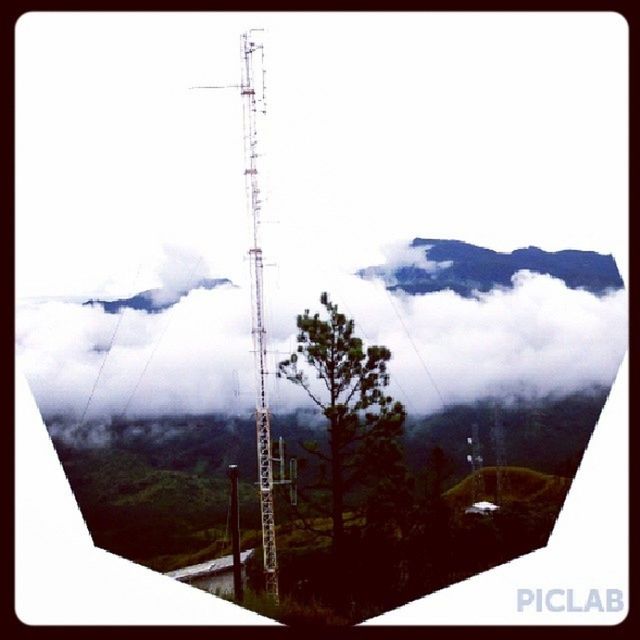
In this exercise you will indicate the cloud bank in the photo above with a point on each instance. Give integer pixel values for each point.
(537, 338)
(181, 270)
(398, 255)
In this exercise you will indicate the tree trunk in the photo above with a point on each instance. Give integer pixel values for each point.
(341, 587)
(337, 491)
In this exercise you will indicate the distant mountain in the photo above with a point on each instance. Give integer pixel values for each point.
(155, 300)
(466, 268)
(547, 434)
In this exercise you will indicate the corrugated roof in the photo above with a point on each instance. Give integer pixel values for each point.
(211, 567)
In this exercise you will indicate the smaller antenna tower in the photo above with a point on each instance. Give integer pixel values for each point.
(292, 480)
(501, 456)
(475, 459)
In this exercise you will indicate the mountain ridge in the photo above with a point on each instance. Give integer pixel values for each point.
(152, 301)
(468, 269)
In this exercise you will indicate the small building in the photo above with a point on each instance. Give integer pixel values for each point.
(482, 508)
(214, 576)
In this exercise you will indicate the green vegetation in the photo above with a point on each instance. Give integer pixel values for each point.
(167, 519)
(363, 424)
(156, 517)
(519, 485)
(158, 495)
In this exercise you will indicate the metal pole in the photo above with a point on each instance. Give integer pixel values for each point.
(235, 534)
(281, 454)
(293, 479)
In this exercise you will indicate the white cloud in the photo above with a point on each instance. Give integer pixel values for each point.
(181, 269)
(400, 254)
(537, 338)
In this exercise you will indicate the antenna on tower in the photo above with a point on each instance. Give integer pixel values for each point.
(501, 457)
(477, 462)
(292, 480)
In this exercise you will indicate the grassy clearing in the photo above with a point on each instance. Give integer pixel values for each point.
(519, 485)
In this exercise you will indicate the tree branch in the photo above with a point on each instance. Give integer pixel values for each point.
(356, 386)
(310, 394)
(354, 438)
(313, 504)
(322, 375)
(353, 478)
(302, 522)
(314, 452)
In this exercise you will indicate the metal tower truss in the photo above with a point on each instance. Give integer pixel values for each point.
(253, 98)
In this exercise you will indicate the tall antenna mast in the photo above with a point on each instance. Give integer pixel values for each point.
(254, 108)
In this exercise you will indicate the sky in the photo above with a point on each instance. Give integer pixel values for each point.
(500, 129)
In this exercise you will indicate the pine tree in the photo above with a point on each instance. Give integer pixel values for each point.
(364, 423)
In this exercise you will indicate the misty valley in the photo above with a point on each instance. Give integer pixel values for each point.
(155, 491)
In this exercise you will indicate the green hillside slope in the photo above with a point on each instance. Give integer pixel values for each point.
(519, 485)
